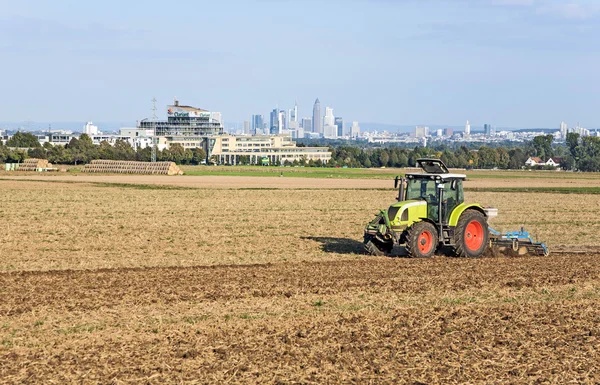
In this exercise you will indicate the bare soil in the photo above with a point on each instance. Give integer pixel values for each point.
(444, 320)
(108, 284)
(271, 182)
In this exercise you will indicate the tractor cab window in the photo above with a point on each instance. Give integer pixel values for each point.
(453, 196)
(422, 189)
(426, 189)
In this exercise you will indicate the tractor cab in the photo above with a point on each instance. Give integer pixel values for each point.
(442, 190)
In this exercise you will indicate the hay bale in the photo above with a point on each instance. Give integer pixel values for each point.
(131, 167)
(33, 164)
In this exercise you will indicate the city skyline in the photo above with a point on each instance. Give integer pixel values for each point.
(518, 63)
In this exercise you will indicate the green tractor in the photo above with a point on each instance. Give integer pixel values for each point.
(430, 213)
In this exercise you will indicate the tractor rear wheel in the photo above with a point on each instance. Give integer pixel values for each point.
(421, 240)
(375, 247)
(471, 235)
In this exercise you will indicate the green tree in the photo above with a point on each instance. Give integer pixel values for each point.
(543, 146)
(517, 159)
(199, 156)
(503, 157)
(488, 158)
(123, 150)
(384, 158)
(23, 140)
(37, 153)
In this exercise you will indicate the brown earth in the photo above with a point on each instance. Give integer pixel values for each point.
(80, 226)
(381, 320)
(270, 182)
(105, 284)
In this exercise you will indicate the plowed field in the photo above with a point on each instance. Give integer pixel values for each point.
(114, 284)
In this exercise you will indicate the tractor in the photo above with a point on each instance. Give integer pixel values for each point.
(430, 213)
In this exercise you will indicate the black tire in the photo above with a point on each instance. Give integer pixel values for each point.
(421, 240)
(466, 241)
(377, 248)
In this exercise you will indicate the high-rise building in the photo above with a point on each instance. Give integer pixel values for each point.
(448, 132)
(317, 124)
(339, 122)
(329, 127)
(467, 128)
(329, 118)
(563, 130)
(282, 121)
(294, 113)
(439, 132)
(246, 127)
(274, 122)
(90, 129)
(186, 124)
(307, 124)
(487, 129)
(355, 130)
(421, 131)
(257, 124)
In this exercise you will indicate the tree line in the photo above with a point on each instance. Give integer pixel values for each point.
(577, 153)
(83, 150)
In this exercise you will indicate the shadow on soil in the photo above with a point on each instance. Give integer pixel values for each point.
(352, 246)
(339, 245)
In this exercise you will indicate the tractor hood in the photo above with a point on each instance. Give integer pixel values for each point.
(402, 214)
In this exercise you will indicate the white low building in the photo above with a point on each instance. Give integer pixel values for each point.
(228, 149)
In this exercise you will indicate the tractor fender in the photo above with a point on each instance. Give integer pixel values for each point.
(461, 208)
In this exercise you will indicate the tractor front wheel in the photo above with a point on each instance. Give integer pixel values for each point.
(471, 235)
(375, 247)
(421, 240)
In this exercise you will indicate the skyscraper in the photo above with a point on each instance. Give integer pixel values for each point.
(307, 124)
(246, 127)
(329, 128)
(257, 124)
(467, 128)
(316, 122)
(274, 122)
(421, 131)
(294, 113)
(487, 129)
(339, 122)
(355, 130)
(282, 121)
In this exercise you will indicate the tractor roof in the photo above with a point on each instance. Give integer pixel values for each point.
(421, 175)
(434, 169)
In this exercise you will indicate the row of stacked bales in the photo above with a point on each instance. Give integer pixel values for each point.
(34, 164)
(130, 167)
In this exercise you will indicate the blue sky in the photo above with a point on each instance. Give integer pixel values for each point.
(511, 63)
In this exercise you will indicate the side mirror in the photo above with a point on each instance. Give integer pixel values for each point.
(396, 182)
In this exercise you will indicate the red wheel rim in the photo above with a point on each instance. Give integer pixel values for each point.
(425, 242)
(474, 235)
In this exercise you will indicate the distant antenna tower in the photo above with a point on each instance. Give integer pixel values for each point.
(154, 130)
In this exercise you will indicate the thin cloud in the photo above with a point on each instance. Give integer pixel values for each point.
(571, 11)
(520, 3)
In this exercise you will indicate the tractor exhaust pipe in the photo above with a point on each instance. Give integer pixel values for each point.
(401, 189)
(440, 187)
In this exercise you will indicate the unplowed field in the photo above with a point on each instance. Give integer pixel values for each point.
(119, 284)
